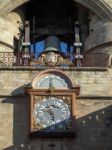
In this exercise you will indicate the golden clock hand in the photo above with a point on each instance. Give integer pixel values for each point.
(49, 110)
(50, 83)
(52, 117)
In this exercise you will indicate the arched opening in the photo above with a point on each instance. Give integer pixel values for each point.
(71, 24)
(101, 8)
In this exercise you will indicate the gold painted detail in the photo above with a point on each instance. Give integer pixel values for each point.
(51, 90)
(36, 126)
(59, 61)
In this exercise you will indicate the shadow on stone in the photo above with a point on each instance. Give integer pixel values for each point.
(94, 131)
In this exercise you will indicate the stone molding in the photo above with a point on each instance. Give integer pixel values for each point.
(33, 68)
(100, 8)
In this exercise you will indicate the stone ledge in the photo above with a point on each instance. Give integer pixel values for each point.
(33, 68)
(78, 97)
(94, 97)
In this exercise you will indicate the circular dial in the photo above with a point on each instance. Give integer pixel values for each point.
(56, 81)
(52, 113)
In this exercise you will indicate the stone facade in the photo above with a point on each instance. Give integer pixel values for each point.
(93, 128)
(93, 110)
(93, 105)
(10, 27)
(93, 81)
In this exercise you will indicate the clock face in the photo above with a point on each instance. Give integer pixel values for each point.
(52, 114)
(55, 80)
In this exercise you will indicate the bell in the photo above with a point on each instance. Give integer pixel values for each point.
(52, 44)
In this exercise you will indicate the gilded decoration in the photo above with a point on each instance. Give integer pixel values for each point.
(57, 61)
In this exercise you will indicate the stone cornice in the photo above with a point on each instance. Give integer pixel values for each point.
(32, 68)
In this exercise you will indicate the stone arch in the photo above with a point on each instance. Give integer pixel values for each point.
(60, 73)
(100, 8)
(7, 7)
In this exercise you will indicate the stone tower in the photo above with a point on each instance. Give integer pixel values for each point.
(85, 28)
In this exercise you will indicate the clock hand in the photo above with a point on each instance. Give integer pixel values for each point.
(50, 83)
(50, 111)
(52, 117)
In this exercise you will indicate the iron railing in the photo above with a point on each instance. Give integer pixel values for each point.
(16, 59)
(24, 59)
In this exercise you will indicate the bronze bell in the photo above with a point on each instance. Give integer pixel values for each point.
(52, 44)
(51, 50)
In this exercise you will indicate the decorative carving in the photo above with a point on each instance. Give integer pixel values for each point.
(53, 59)
(36, 126)
(7, 58)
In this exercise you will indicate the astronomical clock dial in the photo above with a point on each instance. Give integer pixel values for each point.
(57, 81)
(52, 114)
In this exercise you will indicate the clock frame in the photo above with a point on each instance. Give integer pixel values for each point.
(52, 113)
(58, 93)
(52, 83)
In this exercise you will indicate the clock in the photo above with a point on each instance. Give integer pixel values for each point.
(55, 80)
(52, 105)
(52, 114)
